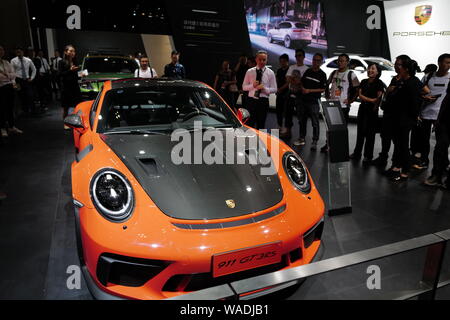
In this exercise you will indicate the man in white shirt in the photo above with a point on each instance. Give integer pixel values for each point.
(145, 71)
(260, 82)
(437, 83)
(22, 66)
(344, 87)
(137, 58)
(344, 84)
(43, 82)
(293, 77)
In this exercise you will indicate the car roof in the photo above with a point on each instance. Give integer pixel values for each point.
(167, 82)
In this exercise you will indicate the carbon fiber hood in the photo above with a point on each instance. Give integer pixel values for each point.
(197, 191)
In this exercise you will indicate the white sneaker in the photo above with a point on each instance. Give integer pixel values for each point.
(299, 142)
(15, 130)
(4, 133)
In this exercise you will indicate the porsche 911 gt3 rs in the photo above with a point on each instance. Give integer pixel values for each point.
(150, 228)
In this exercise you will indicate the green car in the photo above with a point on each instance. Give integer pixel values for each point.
(101, 68)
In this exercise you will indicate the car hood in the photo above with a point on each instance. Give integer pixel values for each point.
(198, 191)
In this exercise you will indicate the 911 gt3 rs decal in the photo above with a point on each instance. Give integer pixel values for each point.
(246, 259)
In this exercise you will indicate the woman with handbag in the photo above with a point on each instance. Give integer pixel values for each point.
(225, 83)
(7, 87)
(405, 108)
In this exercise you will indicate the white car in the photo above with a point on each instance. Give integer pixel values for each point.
(359, 65)
(290, 33)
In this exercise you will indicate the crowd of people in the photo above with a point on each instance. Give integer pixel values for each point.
(412, 108)
(32, 79)
(36, 82)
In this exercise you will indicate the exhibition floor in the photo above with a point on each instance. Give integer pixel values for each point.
(38, 238)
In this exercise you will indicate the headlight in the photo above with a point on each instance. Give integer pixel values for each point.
(296, 171)
(112, 195)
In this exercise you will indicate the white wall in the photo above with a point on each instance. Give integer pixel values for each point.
(158, 48)
(424, 43)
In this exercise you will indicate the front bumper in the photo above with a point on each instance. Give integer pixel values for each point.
(301, 36)
(114, 292)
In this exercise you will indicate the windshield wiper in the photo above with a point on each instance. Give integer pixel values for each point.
(211, 128)
(138, 132)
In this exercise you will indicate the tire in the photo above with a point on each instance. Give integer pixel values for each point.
(287, 42)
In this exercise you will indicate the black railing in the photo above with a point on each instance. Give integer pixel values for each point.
(430, 283)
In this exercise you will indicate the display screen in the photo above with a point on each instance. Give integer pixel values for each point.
(282, 26)
(335, 116)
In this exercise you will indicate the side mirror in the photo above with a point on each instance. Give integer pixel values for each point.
(74, 121)
(360, 69)
(243, 115)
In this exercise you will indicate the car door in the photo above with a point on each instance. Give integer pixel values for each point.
(285, 30)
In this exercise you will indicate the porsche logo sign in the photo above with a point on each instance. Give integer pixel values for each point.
(231, 204)
(423, 14)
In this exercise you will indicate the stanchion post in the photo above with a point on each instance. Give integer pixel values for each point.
(432, 269)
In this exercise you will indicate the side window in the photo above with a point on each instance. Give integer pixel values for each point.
(333, 64)
(353, 64)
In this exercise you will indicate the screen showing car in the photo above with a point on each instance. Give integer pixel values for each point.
(282, 26)
(109, 65)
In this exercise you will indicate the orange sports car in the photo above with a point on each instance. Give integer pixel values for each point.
(150, 226)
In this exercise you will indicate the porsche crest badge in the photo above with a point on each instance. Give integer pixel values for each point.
(423, 14)
(230, 203)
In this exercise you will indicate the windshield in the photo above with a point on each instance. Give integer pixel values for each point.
(109, 65)
(163, 109)
(384, 64)
(301, 25)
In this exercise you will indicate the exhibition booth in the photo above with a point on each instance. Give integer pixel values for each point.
(243, 214)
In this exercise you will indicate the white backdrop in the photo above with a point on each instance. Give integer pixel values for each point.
(424, 43)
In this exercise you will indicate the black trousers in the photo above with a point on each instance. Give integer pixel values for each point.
(258, 109)
(367, 127)
(420, 139)
(7, 106)
(400, 137)
(440, 157)
(293, 106)
(26, 95)
(228, 96)
(309, 110)
(346, 112)
(44, 89)
(281, 108)
(387, 126)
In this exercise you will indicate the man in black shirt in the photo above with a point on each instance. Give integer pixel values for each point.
(314, 82)
(175, 70)
(282, 92)
(440, 158)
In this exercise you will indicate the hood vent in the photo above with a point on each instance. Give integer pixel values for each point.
(150, 166)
